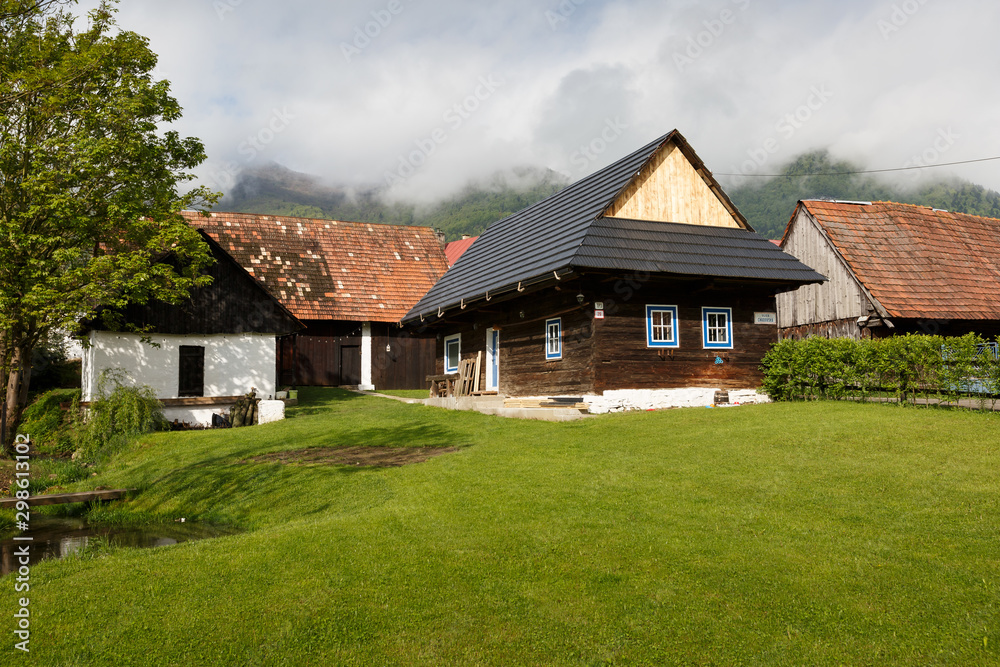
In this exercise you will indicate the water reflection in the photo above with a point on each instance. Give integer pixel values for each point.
(61, 537)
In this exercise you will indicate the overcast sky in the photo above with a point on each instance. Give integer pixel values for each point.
(427, 95)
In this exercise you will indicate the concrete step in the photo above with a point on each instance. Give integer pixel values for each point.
(544, 403)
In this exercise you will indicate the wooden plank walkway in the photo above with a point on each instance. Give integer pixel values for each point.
(60, 498)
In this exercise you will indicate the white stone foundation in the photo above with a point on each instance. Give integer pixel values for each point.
(270, 411)
(195, 416)
(621, 400)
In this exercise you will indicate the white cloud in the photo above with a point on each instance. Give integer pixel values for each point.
(898, 73)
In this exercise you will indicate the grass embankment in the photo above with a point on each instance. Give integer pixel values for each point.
(820, 533)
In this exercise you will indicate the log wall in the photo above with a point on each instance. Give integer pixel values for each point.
(624, 361)
(524, 370)
(611, 353)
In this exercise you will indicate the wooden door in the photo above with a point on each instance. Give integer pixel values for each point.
(350, 364)
(492, 360)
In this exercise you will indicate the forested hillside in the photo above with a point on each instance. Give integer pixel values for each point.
(279, 191)
(767, 205)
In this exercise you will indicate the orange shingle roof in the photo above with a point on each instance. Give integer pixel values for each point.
(916, 261)
(331, 270)
(456, 249)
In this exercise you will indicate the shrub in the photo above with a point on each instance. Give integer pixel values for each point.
(901, 366)
(117, 417)
(52, 429)
(778, 366)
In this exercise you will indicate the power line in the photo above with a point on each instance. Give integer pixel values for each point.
(868, 171)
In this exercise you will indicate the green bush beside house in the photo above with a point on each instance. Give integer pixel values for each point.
(902, 367)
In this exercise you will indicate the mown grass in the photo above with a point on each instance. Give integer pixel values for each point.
(406, 393)
(788, 534)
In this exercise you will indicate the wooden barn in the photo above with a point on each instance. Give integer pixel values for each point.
(205, 352)
(893, 268)
(350, 283)
(643, 275)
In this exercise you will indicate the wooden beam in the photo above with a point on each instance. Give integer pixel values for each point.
(62, 498)
(549, 316)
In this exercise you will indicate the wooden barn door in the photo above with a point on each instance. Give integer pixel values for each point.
(287, 361)
(350, 364)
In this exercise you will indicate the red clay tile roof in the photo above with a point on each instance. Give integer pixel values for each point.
(916, 261)
(331, 270)
(455, 249)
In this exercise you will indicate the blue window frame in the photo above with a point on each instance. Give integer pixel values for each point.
(717, 328)
(452, 353)
(661, 326)
(553, 339)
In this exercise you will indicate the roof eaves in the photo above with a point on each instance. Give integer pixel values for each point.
(527, 284)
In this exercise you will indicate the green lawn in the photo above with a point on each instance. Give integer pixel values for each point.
(406, 393)
(789, 534)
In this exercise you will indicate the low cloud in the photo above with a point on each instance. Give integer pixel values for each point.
(726, 73)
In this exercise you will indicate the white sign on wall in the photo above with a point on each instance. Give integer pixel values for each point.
(765, 318)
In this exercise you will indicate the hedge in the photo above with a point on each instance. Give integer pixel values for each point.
(902, 367)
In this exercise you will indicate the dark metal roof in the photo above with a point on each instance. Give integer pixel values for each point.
(534, 241)
(562, 232)
(670, 247)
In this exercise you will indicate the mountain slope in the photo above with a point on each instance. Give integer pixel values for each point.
(769, 205)
(277, 190)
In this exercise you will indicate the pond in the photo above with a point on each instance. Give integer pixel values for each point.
(58, 537)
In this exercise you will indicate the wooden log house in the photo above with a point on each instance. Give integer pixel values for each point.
(643, 275)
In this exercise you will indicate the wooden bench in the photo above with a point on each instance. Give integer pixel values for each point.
(463, 383)
(442, 385)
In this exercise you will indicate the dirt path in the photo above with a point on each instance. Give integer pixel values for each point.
(377, 457)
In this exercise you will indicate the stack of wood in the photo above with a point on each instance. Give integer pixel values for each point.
(468, 376)
(244, 413)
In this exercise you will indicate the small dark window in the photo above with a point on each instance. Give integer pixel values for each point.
(192, 381)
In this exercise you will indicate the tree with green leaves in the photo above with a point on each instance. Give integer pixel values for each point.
(90, 183)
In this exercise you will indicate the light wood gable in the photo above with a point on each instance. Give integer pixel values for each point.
(841, 297)
(674, 186)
